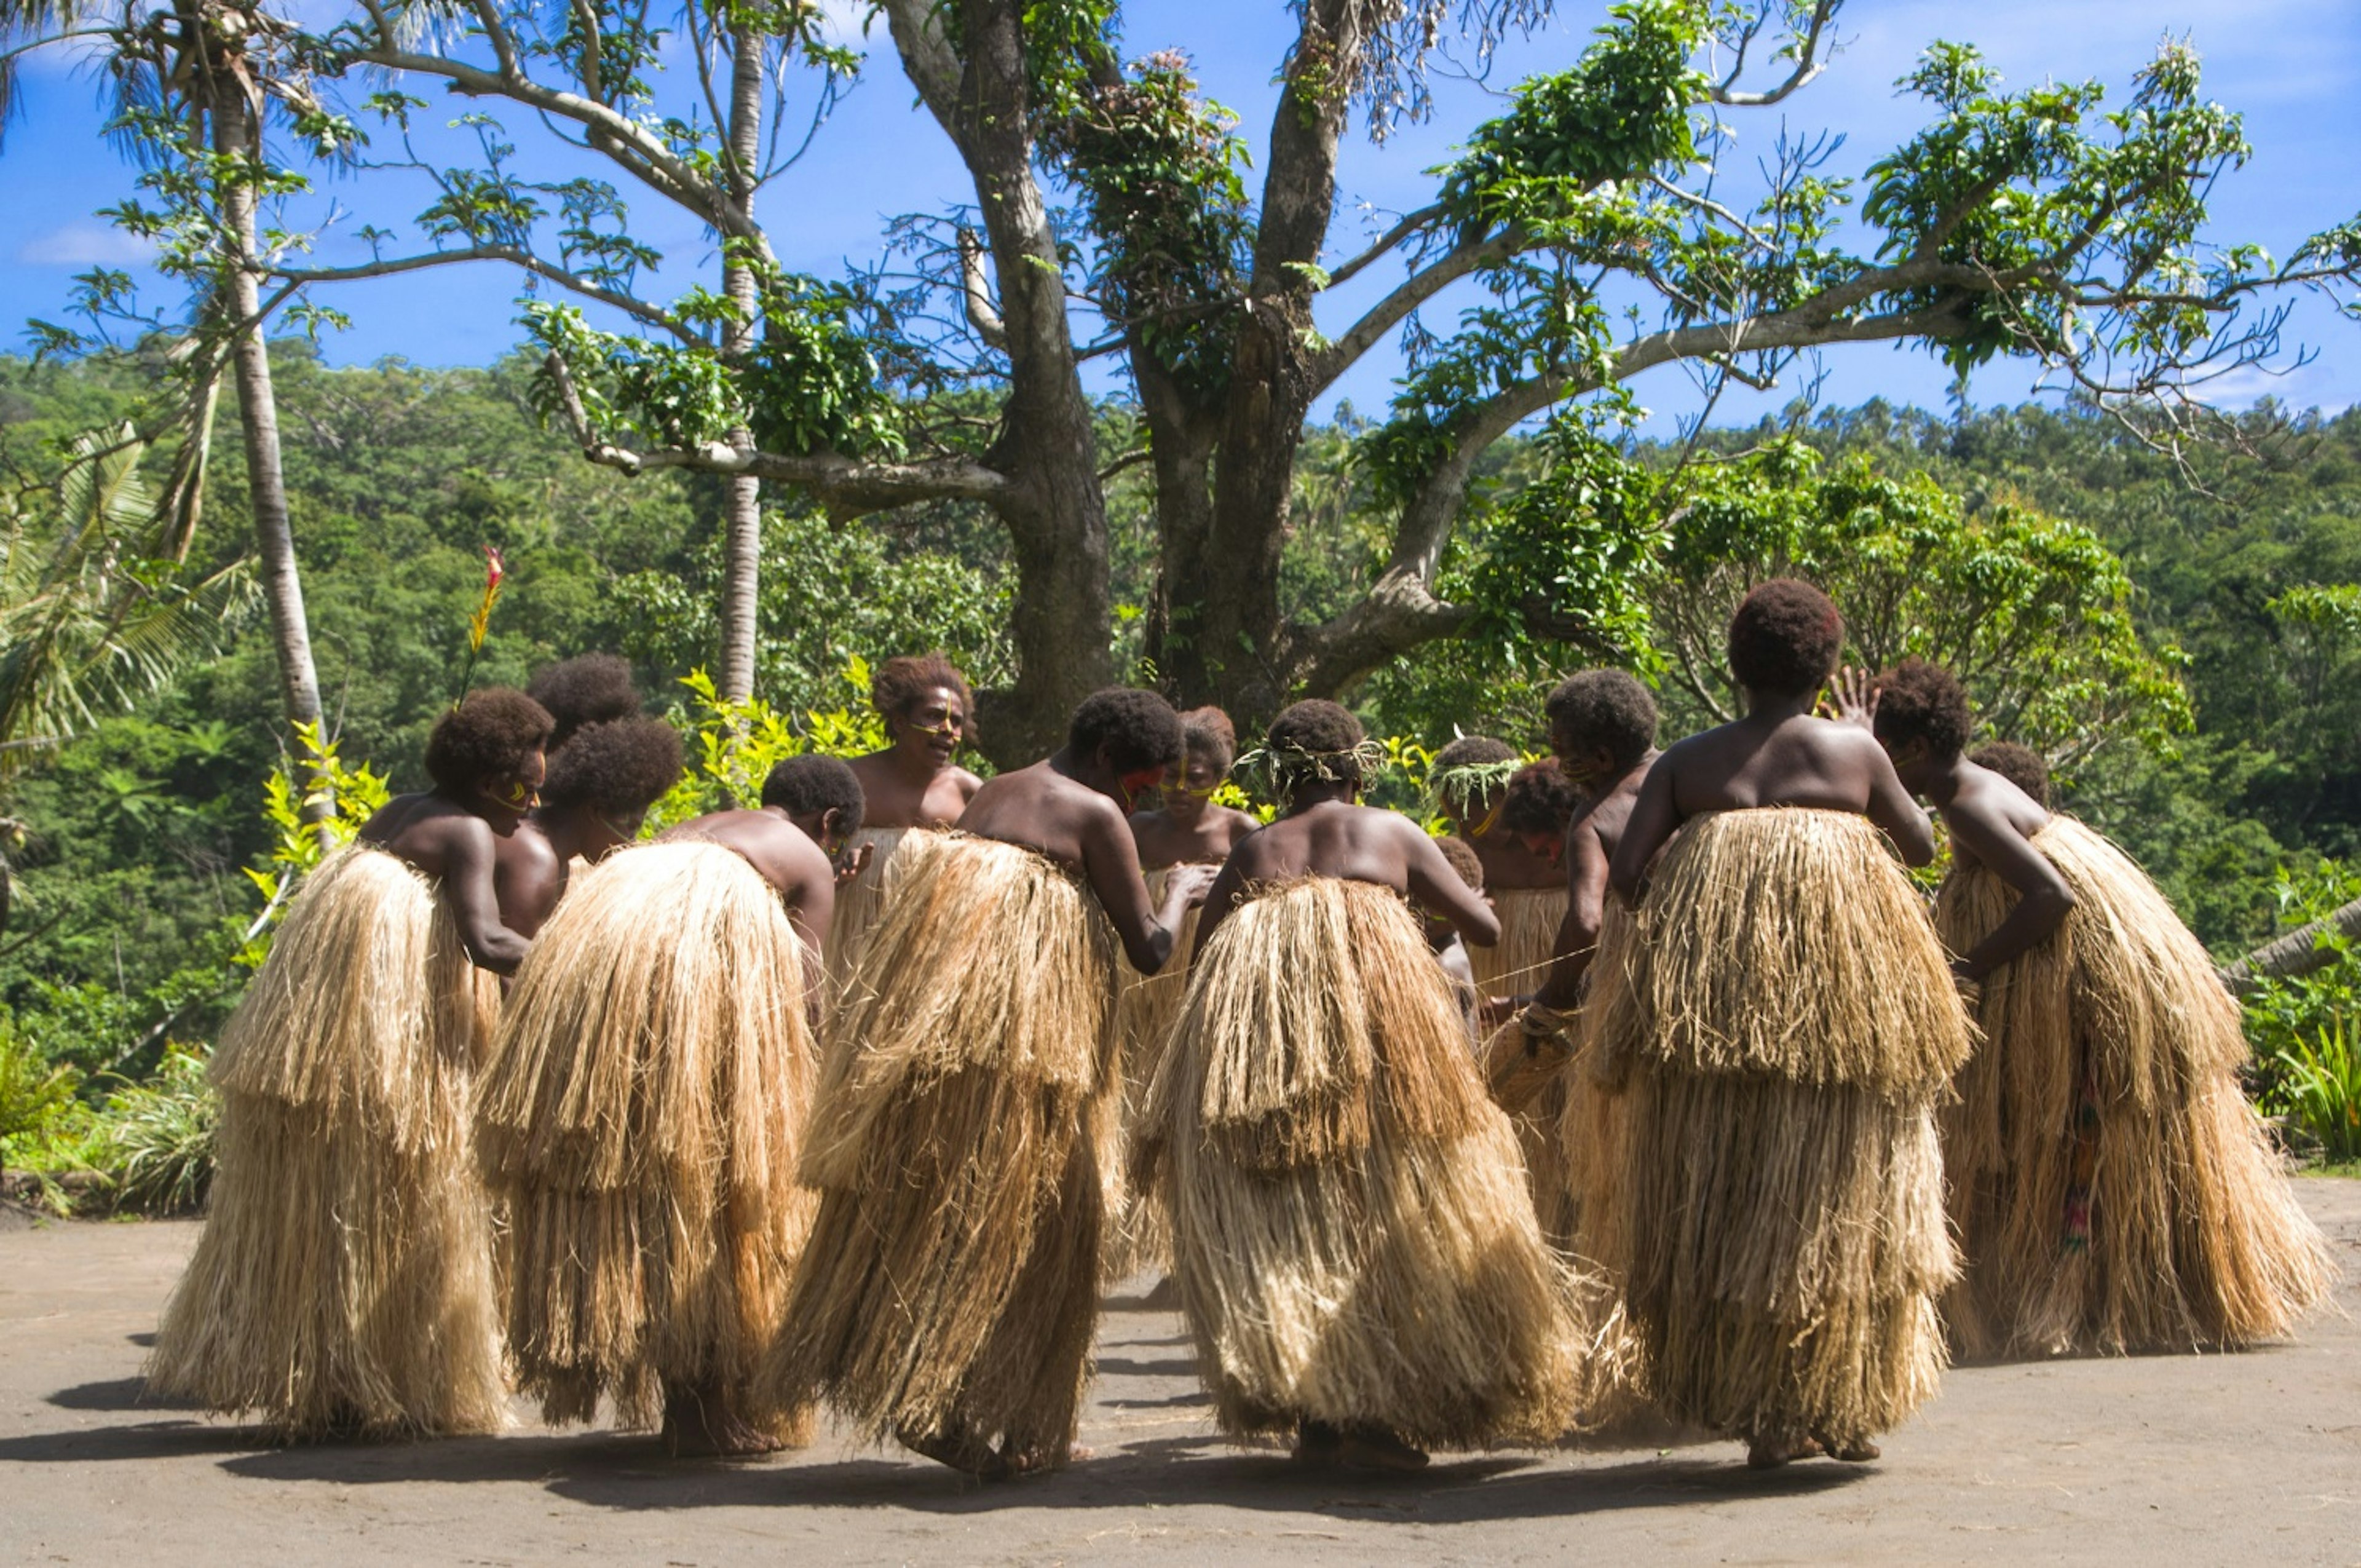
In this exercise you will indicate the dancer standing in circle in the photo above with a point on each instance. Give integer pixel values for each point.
(1187, 829)
(1355, 1252)
(1790, 1021)
(642, 1115)
(914, 783)
(1469, 782)
(962, 1107)
(343, 1286)
(2111, 1187)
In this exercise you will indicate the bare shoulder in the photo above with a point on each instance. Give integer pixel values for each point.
(1239, 825)
(966, 783)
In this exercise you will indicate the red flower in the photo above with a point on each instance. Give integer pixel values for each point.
(494, 569)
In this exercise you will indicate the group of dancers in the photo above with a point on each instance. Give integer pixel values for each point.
(1657, 1084)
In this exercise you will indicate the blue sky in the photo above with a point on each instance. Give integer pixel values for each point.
(2292, 66)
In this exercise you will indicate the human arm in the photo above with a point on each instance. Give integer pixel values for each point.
(471, 884)
(1220, 900)
(2043, 899)
(1440, 891)
(1891, 808)
(1111, 864)
(1655, 817)
(1586, 867)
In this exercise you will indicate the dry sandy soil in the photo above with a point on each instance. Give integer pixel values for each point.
(2172, 1461)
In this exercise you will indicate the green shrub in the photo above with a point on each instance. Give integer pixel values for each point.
(154, 1140)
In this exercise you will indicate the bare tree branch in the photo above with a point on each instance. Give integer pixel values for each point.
(981, 313)
(1386, 242)
(515, 256)
(1414, 290)
(1809, 63)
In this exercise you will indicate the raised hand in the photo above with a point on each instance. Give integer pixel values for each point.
(1851, 698)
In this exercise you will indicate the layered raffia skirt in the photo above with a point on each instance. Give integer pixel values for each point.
(2112, 1188)
(1789, 1021)
(639, 1118)
(956, 1143)
(1139, 1233)
(343, 1283)
(860, 903)
(1516, 966)
(1353, 1239)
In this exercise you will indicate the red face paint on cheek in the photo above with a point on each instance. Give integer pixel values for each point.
(1136, 784)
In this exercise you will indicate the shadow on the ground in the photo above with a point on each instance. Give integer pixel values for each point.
(118, 1394)
(147, 1440)
(534, 1457)
(1171, 1366)
(1203, 1470)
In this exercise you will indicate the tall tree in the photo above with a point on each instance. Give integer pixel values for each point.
(1591, 233)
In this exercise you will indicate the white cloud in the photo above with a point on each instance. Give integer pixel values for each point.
(83, 242)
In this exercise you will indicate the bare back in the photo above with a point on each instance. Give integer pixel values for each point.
(1769, 758)
(1044, 810)
(1355, 843)
(501, 878)
(782, 855)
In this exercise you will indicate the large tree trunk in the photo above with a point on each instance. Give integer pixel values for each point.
(237, 132)
(1236, 653)
(741, 579)
(1056, 509)
(2297, 952)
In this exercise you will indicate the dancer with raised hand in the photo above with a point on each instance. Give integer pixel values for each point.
(963, 1105)
(343, 1285)
(916, 782)
(1187, 829)
(1603, 732)
(2111, 1187)
(1355, 1252)
(1468, 781)
(643, 1114)
(1789, 1020)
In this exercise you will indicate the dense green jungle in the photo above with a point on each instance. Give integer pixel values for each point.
(132, 844)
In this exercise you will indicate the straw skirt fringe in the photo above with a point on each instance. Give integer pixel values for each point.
(1790, 1021)
(639, 1119)
(1139, 1232)
(1352, 1236)
(2112, 1188)
(344, 1279)
(860, 903)
(1516, 966)
(956, 1142)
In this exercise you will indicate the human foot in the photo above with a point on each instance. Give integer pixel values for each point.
(702, 1423)
(1317, 1442)
(1861, 1451)
(1373, 1449)
(1771, 1452)
(963, 1451)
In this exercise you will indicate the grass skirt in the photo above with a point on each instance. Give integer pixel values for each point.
(956, 1143)
(344, 1279)
(1139, 1232)
(2112, 1188)
(639, 1119)
(1789, 1021)
(860, 903)
(1352, 1236)
(1516, 966)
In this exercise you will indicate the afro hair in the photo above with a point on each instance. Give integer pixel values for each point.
(1607, 710)
(2020, 765)
(1315, 740)
(616, 769)
(1137, 729)
(1478, 757)
(1462, 856)
(1784, 638)
(594, 688)
(902, 682)
(1540, 800)
(1207, 732)
(486, 739)
(1919, 701)
(811, 785)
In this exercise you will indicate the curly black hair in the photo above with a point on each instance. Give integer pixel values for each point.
(618, 768)
(812, 784)
(592, 688)
(486, 739)
(1137, 728)
(1207, 732)
(1540, 799)
(902, 682)
(2020, 765)
(1470, 751)
(1463, 859)
(1603, 709)
(1314, 739)
(1919, 701)
(1785, 638)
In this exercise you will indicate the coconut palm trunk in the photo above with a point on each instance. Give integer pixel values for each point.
(741, 597)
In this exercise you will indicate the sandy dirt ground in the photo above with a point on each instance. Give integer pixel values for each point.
(2172, 1461)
